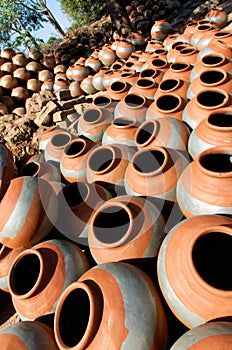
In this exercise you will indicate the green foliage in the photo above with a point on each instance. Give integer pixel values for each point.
(83, 11)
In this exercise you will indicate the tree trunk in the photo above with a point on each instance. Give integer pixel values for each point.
(119, 17)
(51, 18)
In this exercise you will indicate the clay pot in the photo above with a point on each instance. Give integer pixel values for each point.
(77, 202)
(152, 45)
(93, 122)
(107, 55)
(19, 93)
(48, 62)
(27, 335)
(136, 229)
(3, 109)
(179, 70)
(8, 102)
(56, 145)
(50, 267)
(166, 105)
(210, 335)
(122, 130)
(117, 90)
(204, 103)
(34, 66)
(7, 53)
(8, 82)
(200, 31)
(94, 292)
(74, 159)
(157, 63)
(60, 68)
(22, 74)
(47, 85)
(93, 63)
(175, 85)
(124, 49)
(69, 72)
(7, 257)
(35, 55)
(165, 132)
(187, 55)
(27, 210)
(224, 36)
(155, 173)
(132, 105)
(137, 38)
(129, 77)
(217, 16)
(98, 79)
(46, 136)
(216, 46)
(152, 73)
(7, 169)
(75, 89)
(34, 85)
(145, 87)
(104, 101)
(160, 30)
(109, 77)
(42, 170)
(213, 131)
(45, 74)
(87, 85)
(60, 84)
(79, 72)
(193, 269)
(204, 186)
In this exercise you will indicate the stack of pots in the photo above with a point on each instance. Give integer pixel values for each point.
(143, 185)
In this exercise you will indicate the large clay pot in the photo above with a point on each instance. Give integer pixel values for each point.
(46, 136)
(98, 79)
(19, 93)
(173, 85)
(7, 53)
(160, 30)
(118, 90)
(194, 269)
(165, 132)
(42, 170)
(204, 187)
(39, 275)
(146, 87)
(216, 46)
(87, 85)
(93, 63)
(60, 84)
(104, 101)
(124, 49)
(27, 211)
(93, 122)
(7, 257)
(8, 68)
(155, 172)
(27, 335)
(179, 70)
(166, 105)
(122, 130)
(152, 73)
(8, 82)
(75, 89)
(100, 312)
(74, 159)
(33, 85)
(79, 72)
(215, 130)
(132, 105)
(203, 104)
(77, 202)
(125, 227)
(35, 55)
(56, 145)
(22, 74)
(213, 335)
(217, 16)
(19, 60)
(107, 55)
(200, 31)
(45, 74)
(7, 169)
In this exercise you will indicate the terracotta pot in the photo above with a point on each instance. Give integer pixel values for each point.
(60, 84)
(165, 132)
(104, 101)
(7, 257)
(213, 131)
(98, 79)
(200, 31)
(35, 55)
(175, 49)
(129, 77)
(153, 73)
(136, 229)
(60, 68)
(7, 53)
(48, 62)
(33, 66)
(3, 109)
(132, 105)
(200, 184)
(93, 63)
(137, 66)
(22, 74)
(27, 210)
(155, 172)
(47, 85)
(74, 159)
(211, 335)
(137, 38)
(204, 103)
(190, 27)
(45, 74)
(8, 82)
(173, 85)
(187, 55)
(122, 130)
(124, 49)
(75, 89)
(46, 136)
(152, 45)
(170, 39)
(34, 85)
(107, 55)
(94, 292)
(217, 16)
(211, 61)
(50, 267)
(87, 85)
(193, 269)
(179, 70)
(166, 105)
(77, 203)
(69, 72)
(8, 102)
(107, 164)
(93, 122)
(42, 170)
(157, 63)
(27, 335)
(117, 90)
(109, 77)
(79, 72)
(19, 93)
(19, 60)
(8, 169)
(160, 30)
(216, 46)
(56, 145)
(146, 87)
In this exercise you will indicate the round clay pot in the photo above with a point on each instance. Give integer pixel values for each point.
(155, 172)
(7, 257)
(98, 79)
(19, 60)
(33, 66)
(187, 55)
(60, 68)
(94, 292)
(200, 31)
(8, 82)
(104, 101)
(7, 169)
(213, 131)
(22, 74)
(204, 186)
(27, 210)
(93, 63)
(45, 74)
(216, 46)
(165, 132)
(173, 85)
(27, 335)
(129, 76)
(19, 93)
(124, 49)
(7, 53)
(75, 89)
(152, 73)
(211, 335)
(35, 55)
(145, 87)
(137, 38)
(132, 105)
(160, 30)
(166, 105)
(42, 170)
(60, 84)
(118, 90)
(56, 145)
(93, 122)
(157, 63)
(48, 62)
(193, 269)
(122, 130)
(79, 72)
(50, 267)
(107, 55)
(179, 70)
(136, 229)
(175, 49)
(87, 85)
(47, 85)
(46, 136)
(34, 85)
(217, 16)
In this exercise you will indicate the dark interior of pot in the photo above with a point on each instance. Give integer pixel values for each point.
(212, 259)
(168, 84)
(145, 82)
(111, 224)
(118, 86)
(121, 122)
(30, 169)
(74, 148)
(147, 73)
(158, 62)
(75, 313)
(101, 159)
(133, 100)
(223, 120)
(212, 59)
(60, 140)
(74, 193)
(211, 98)
(167, 102)
(144, 133)
(212, 77)
(149, 161)
(91, 116)
(179, 66)
(217, 162)
(101, 101)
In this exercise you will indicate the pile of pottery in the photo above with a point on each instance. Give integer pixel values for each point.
(145, 180)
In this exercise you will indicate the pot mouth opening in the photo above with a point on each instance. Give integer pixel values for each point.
(111, 224)
(145, 133)
(222, 34)
(60, 140)
(92, 115)
(127, 74)
(149, 161)
(217, 162)
(221, 119)
(187, 51)
(212, 259)
(179, 66)
(169, 84)
(148, 73)
(102, 101)
(75, 193)
(30, 169)
(178, 43)
(212, 60)
(211, 99)
(74, 148)
(118, 86)
(168, 102)
(117, 66)
(212, 77)
(145, 82)
(204, 27)
(123, 122)
(160, 51)
(134, 101)
(157, 62)
(101, 160)
(78, 311)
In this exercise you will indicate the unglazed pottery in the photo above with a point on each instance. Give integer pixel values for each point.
(166, 105)
(56, 145)
(122, 130)
(194, 269)
(7, 169)
(7, 257)
(160, 30)
(132, 105)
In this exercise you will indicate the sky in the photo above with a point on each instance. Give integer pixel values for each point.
(48, 30)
